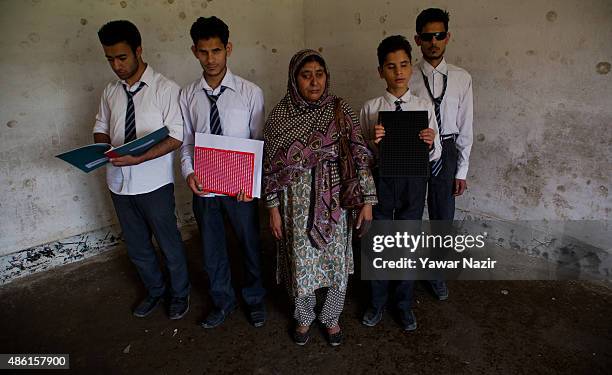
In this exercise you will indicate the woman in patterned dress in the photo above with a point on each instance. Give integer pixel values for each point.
(302, 192)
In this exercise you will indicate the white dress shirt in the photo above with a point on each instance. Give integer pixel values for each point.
(369, 117)
(155, 105)
(457, 108)
(241, 111)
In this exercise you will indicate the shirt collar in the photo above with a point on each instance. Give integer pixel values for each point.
(228, 81)
(392, 99)
(146, 77)
(442, 68)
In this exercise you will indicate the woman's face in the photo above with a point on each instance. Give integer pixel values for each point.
(311, 81)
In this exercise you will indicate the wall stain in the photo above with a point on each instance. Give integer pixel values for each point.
(561, 188)
(603, 191)
(551, 16)
(358, 18)
(603, 67)
(274, 50)
(480, 137)
(83, 21)
(170, 1)
(530, 52)
(320, 49)
(12, 123)
(383, 19)
(55, 141)
(182, 15)
(34, 37)
(123, 4)
(75, 198)
(554, 55)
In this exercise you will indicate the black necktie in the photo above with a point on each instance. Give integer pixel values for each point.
(130, 116)
(215, 120)
(436, 166)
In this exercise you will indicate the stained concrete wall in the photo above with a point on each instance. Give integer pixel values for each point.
(542, 93)
(54, 72)
(541, 74)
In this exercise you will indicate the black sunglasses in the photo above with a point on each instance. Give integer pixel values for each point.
(427, 37)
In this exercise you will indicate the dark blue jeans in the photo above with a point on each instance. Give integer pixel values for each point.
(399, 198)
(245, 220)
(141, 216)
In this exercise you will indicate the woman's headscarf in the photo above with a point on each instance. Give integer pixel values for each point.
(299, 136)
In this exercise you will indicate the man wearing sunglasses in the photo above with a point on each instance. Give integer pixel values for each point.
(450, 89)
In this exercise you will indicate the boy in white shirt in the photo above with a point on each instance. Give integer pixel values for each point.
(399, 198)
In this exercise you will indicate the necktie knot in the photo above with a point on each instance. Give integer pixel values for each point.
(215, 119)
(398, 105)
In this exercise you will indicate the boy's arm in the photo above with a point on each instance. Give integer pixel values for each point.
(465, 117)
(367, 129)
(257, 111)
(436, 151)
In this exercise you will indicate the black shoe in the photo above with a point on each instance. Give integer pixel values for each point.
(335, 339)
(301, 338)
(408, 320)
(217, 316)
(257, 315)
(147, 306)
(178, 307)
(372, 316)
(440, 289)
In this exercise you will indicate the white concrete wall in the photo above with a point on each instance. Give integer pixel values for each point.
(53, 73)
(541, 73)
(542, 93)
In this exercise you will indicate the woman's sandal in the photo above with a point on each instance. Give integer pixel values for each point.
(301, 338)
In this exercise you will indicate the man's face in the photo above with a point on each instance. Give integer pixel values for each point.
(212, 55)
(122, 59)
(396, 70)
(432, 49)
(311, 80)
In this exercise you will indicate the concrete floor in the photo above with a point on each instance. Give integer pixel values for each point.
(84, 310)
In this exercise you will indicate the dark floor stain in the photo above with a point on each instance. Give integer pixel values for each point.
(551, 16)
(603, 67)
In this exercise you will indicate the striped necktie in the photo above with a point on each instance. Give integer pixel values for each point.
(436, 166)
(130, 116)
(215, 120)
(398, 105)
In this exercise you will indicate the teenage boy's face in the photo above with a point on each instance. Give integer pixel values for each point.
(396, 70)
(433, 49)
(122, 60)
(212, 55)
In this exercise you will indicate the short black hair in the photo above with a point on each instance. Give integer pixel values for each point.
(431, 15)
(209, 27)
(120, 31)
(391, 44)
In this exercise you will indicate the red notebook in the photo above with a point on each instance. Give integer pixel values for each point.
(225, 171)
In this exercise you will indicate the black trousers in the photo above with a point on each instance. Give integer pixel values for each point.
(399, 198)
(141, 216)
(440, 199)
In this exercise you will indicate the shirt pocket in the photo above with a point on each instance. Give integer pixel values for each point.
(148, 122)
(235, 123)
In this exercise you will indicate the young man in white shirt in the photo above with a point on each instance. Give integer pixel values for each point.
(142, 186)
(450, 89)
(222, 103)
(399, 198)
